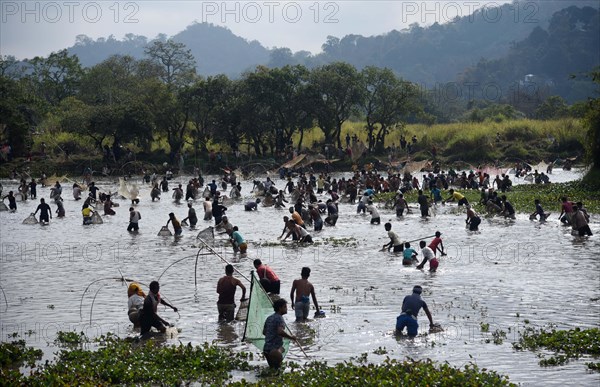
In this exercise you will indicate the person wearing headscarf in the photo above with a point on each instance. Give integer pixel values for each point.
(135, 303)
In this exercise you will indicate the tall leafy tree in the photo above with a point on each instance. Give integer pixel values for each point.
(386, 101)
(334, 94)
(178, 66)
(56, 77)
(279, 100)
(178, 69)
(205, 99)
(16, 115)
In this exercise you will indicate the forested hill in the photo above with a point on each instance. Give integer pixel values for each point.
(442, 51)
(507, 38)
(549, 58)
(216, 49)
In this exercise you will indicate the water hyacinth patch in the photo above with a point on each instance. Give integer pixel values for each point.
(134, 362)
(567, 344)
(391, 372)
(127, 362)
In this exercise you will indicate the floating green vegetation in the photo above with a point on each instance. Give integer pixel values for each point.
(567, 344)
(485, 327)
(123, 362)
(390, 372)
(498, 335)
(127, 362)
(15, 354)
(346, 242)
(70, 338)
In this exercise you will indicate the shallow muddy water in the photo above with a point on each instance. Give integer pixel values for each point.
(510, 275)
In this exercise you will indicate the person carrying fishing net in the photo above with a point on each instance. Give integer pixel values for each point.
(274, 331)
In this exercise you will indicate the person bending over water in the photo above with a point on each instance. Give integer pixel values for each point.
(176, 224)
(411, 306)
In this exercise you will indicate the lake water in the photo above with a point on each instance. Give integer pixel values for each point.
(510, 275)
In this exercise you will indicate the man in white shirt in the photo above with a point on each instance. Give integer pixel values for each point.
(134, 218)
(375, 219)
(428, 255)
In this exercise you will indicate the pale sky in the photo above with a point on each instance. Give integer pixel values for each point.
(30, 28)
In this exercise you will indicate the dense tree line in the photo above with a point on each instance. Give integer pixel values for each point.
(141, 102)
(124, 100)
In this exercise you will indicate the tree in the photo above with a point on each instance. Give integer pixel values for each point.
(10, 67)
(56, 77)
(592, 121)
(277, 105)
(177, 63)
(16, 115)
(206, 98)
(386, 101)
(119, 86)
(334, 94)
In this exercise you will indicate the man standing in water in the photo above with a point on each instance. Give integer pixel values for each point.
(303, 289)
(191, 215)
(274, 331)
(134, 218)
(394, 240)
(473, 220)
(176, 224)
(149, 317)
(226, 288)
(410, 309)
(12, 201)
(238, 242)
(456, 197)
(428, 256)
(44, 210)
(423, 204)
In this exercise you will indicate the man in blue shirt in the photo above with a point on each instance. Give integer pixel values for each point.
(238, 242)
(410, 309)
(274, 331)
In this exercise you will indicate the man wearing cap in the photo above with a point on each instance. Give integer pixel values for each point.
(410, 309)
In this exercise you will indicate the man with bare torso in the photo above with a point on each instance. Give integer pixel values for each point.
(301, 302)
(226, 288)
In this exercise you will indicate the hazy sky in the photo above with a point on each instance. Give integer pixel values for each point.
(30, 28)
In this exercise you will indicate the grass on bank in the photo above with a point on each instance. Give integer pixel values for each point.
(473, 142)
(530, 140)
(124, 362)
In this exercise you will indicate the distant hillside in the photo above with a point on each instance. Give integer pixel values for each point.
(216, 49)
(547, 58)
(440, 53)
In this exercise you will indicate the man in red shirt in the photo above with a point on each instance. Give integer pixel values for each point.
(436, 244)
(268, 279)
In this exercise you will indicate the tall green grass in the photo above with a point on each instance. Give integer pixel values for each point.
(477, 141)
